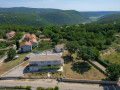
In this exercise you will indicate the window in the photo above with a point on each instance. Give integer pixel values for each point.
(48, 61)
(42, 61)
(55, 61)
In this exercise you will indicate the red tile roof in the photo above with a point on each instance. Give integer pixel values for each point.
(12, 32)
(25, 43)
(33, 40)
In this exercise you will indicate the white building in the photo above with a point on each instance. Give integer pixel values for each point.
(43, 61)
(59, 48)
(26, 47)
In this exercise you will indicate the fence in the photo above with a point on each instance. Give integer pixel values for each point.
(8, 87)
(14, 78)
(60, 79)
(89, 81)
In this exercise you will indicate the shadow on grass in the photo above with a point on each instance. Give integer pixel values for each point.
(7, 60)
(81, 67)
(67, 59)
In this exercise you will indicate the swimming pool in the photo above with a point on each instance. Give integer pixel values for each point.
(38, 52)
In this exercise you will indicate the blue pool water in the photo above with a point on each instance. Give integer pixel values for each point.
(38, 52)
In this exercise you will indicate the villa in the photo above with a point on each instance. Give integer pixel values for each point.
(45, 62)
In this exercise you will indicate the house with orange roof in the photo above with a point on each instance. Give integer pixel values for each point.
(32, 38)
(10, 34)
(26, 46)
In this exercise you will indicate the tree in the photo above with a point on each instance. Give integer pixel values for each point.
(87, 53)
(83, 52)
(17, 44)
(18, 35)
(11, 53)
(72, 47)
(113, 72)
(56, 88)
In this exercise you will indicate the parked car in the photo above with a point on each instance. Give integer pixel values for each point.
(15, 58)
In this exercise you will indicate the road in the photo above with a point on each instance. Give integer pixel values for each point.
(52, 83)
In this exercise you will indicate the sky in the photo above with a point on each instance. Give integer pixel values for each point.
(79, 5)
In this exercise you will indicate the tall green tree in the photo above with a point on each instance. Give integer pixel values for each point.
(11, 53)
(87, 53)
(72, 47)
(113, 72)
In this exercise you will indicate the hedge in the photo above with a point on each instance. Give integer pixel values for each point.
(102, 63)
(97, 68)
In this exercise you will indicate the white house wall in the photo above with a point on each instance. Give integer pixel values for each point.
(26, 48)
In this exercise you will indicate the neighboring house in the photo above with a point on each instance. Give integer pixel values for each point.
(11, 34)
(59, 48)
(47, 39)
(3, 40)
(32, 38)
(45, 62)
(26, 47)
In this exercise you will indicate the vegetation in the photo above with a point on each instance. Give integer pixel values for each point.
(113, 72)
(109, 18)
(7, 65)
(40, 17)
(49, 88)
(51, 67)
(11, 53)
(28, 87)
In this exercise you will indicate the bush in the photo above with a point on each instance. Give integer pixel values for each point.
(2, 52)
(50, 88)
(56, 88)
(28, 87)
(40, 88)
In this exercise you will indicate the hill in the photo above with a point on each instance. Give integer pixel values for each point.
(109, 18)
(40, 16)
(99, 13)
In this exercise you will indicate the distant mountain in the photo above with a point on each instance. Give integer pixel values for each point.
(109, 18)
(99, 13)
(40, 16)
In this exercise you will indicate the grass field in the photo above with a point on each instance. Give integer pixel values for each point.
(113, 57)
(7, 65)
(78, 69)
(89, 73)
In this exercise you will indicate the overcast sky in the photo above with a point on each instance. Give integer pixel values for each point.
(79, 5)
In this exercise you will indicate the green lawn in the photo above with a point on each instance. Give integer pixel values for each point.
(7, 65)
(113, 57)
